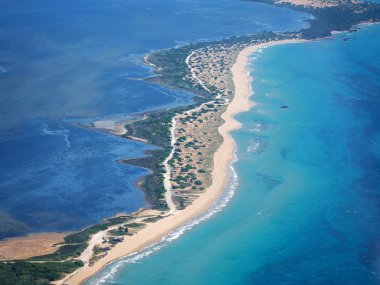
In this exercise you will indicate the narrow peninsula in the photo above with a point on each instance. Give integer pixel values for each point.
(191, 166)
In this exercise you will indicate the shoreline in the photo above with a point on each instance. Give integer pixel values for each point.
(210, 68)
(223, 158)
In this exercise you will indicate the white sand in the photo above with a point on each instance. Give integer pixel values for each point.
(220, 174)
(114, 127)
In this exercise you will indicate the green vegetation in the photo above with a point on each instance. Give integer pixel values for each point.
(156, 130)
(115, 240)
(75, 243)
(118, 220)
(135, 225)
(63, 252)
(153, 219)
(119, 232)
(26, 273)
(98, 250)
(173, 71)
(84, 235)
(338, 18)
(180, 202)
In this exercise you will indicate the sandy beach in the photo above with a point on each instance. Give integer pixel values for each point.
(220, 174)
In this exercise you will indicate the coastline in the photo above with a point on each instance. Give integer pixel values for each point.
(203, 69)
(222, 160)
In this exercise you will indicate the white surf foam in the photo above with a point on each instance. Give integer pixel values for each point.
(114, 268)
(60, 132)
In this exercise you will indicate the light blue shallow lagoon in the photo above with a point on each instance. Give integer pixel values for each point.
(65, 64)
(306, 198)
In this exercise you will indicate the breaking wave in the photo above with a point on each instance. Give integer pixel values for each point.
(222, 202)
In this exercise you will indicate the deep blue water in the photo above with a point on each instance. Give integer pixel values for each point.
(64, 62)
(306, 209)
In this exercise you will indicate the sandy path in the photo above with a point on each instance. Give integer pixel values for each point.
(168, 170)
(220, 174)
(193, 73)
(95, 239)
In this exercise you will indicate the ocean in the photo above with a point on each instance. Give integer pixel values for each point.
(66, 64)
(304, 199)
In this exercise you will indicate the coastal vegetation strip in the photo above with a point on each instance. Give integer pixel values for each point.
(155, 129)
(168, 170)
(342, 16)
(205, 69)
(22, 272)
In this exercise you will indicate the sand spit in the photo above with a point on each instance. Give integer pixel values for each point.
(220, 174)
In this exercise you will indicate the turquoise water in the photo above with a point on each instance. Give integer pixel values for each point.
(65, 64)
(306, 206)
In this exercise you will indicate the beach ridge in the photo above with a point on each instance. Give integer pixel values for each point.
(223, 158)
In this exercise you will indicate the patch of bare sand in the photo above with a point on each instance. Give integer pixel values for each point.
(29, 246)
(311, 3)
(220, 175)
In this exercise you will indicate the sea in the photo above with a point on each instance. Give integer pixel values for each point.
(303, 204)
(66, 64)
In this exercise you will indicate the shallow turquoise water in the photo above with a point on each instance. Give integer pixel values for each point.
(306, 209)
(64, 63)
